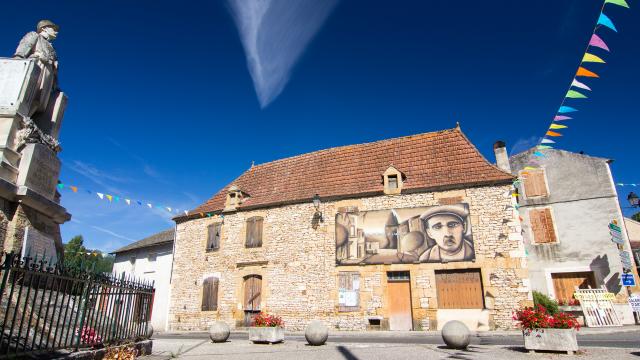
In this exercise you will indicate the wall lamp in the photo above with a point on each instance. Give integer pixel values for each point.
(316, 203)
(632, 198)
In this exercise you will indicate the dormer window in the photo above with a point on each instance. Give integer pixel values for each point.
(234, 198)
(392, 179)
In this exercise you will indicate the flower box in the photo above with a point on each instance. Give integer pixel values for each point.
(272, 334)
(551, 339)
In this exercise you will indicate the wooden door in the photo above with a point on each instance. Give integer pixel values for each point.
(459, 289)
(400, 305)
(565, 284)
(252, 297)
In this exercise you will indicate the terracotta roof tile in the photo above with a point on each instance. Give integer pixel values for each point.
(430, 161)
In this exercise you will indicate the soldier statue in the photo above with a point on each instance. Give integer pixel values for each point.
(37, 45)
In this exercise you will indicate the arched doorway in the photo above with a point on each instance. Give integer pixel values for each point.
(252, 297)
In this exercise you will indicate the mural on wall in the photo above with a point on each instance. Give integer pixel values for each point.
(431, 234)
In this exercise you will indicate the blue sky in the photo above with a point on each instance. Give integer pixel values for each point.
(162, 107)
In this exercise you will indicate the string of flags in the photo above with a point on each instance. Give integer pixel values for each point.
(628, 184)
(578, 90)
(120, 199)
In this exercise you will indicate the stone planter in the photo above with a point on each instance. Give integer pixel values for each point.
(551, 340)
(265, 335)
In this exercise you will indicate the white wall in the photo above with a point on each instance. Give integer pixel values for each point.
(158, 271)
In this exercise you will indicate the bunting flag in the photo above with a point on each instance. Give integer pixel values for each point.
(566, 109)
(109, 197)
(592, 58)
(597, 42)
(586, 73)
(127, 201)
(622, 3)
(605, 21)
(100, 195)
(572, 94)
(557, 126)
(628, 184)
(74, 188)
(580, 85)
(547, 141)
(561, 118)
(553, 133)
(544, 147)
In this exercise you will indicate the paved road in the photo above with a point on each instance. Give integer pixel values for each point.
(629, 339)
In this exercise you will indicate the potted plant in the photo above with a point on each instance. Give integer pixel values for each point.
(266, 329)
(542, 331)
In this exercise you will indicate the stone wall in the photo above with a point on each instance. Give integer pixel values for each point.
(300, 276)
(15, 218)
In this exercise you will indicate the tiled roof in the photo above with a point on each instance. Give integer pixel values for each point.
(430, 161)
(156, 239)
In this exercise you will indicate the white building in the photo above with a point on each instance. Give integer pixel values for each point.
(150, 259)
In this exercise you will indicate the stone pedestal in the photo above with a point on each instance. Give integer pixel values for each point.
(39, 170)
(30, 117)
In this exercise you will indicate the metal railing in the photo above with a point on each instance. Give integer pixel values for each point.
(44, 308)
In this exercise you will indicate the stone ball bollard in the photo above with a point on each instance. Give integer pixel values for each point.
(149, 331)
(219, 332)
(316, 333)
(456, 335)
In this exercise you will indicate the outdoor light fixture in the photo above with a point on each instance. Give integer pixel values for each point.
(632, 197)
(316, 204)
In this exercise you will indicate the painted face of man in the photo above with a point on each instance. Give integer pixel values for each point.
(447, 231)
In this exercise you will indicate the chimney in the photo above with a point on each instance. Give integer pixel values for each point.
(502, 158)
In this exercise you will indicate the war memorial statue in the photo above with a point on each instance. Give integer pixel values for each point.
(31, 110)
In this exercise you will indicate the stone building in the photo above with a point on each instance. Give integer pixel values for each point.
(150, 259)
(403, 234)
(566, 207)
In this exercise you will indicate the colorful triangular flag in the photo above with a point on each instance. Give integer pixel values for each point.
(557, 126)
(150, 206)
(586, 73)
(566, 109)
(547, 141)
(544, 147)
(60, 186)
(592, 58)
(562, 118)
(116, 198)
(139, 203)
(622, 3)
(580, 85)
(553, 133)
(572, 94)
(127, 201)
(110, 198)
(538, 153)
(74, 188)
(598, 42)
(604, 20)
(100, 195)
(186, 212)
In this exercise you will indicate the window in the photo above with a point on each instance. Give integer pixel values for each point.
(348, 291)
(210, 294)
(254, 232)
(398, 276)
(132, 261)
(459, 289)
(393, 182)
(565, 284)
(152, 257)
(542, 226)
(535, 184)
(213, 236)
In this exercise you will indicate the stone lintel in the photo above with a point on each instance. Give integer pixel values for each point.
(38, 202)
(7, 190)
(252, 263)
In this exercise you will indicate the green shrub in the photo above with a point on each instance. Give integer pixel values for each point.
(545, 301)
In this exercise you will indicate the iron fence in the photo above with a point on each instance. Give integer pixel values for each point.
(45, 308)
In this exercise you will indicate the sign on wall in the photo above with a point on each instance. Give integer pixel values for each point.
(432, 234)
(597, 307)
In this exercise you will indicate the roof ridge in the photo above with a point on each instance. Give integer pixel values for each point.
(354, 145)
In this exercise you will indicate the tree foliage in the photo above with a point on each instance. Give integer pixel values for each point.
(77, 257)
(636, 217)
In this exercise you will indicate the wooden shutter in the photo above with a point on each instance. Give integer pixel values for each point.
(210, 294)
(254, 232)
(348, 284)
(565, 284)
(459, 289)
(535, 184)
(213, 236)
(542, 226)
(252, 292)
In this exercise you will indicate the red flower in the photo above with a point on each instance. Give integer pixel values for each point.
(538, 318)
(265, 320)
